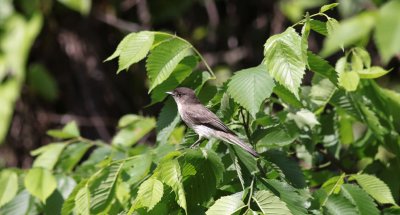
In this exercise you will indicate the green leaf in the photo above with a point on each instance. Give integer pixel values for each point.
(81, 6)
(250, 87)
(71, 156)
(102, 187)
(287, 96)
(8, 186)
(375, 187)
(318, 26)
(131, 134)
(49, 155)
(349, 80)
(164, 58)
(82, 201)
(69, 203)
(182, 71)
(373, 122)
(275, 136)
(289, 168)
(134, 49)
(121, 45)
(338, 205)
(322, 67)
(23, 203)
(328, 7)
(137, 167)
(169, 172)
(331, 26)
(40, 183)
(364, 55)
(227, 205)
(333, 185)
(348, 32)
(373, 72)
(322, 91)
(304, 118)
(70, 130)
(42, 82)
(283, 56)
(364, 203)
(205, 171)
(387, 31)
(167, 121)
(269, 203)
(150, 193)
(296, 203)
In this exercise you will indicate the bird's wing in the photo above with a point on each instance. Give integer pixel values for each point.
(201, 115)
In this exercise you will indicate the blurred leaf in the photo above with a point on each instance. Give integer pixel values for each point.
(364, 203)
(287, 96)
(274, 136)
(82, 201)
(318, 26)
(328, 7)
(348, 32)
(137, 167)
(331, 26)
(150, 193)
(373, 72)
(375, 187)
(322, 67)
(23, 203)
(322, 91)
(250, 87)
(364, 55)
(227, 205)
(283, 56)
(8, 186)
(304, 118)
(133, 49)
(388, 30)
(69, 203)
(333, 185)
(164, 58)
(81, 6)
(40, 183)
(70, 130)
(131, 134)
(338, 205)
(72, 154)
(269, 203)
(128, 120)
(48, 155)
(42, 82)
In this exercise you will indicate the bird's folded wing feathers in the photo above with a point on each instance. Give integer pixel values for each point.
(205, 117)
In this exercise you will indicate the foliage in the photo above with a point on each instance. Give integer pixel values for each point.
(330, 148)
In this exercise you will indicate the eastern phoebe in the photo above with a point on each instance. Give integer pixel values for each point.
(204, 122)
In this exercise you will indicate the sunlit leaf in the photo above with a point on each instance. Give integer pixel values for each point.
(375, 187)
(269, 203)
(150, 193)
(48, 155)
(373, 72)
(227, 205)
(328, 7)
(364, 203)
(40, 183)
(338, 205)
(8, 186)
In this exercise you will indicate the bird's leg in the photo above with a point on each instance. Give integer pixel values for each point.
(195, 144)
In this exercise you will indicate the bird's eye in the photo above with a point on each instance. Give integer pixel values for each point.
(179, 95)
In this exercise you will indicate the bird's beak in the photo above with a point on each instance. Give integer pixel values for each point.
(169, 92)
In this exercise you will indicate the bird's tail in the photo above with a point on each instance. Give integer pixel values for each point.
(231, 138)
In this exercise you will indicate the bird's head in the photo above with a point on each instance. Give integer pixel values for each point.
(184, 95)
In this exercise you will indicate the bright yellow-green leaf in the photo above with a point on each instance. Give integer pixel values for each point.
(8, 186)
(40, 183)
(373, 72)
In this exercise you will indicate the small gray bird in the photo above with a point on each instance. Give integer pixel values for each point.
(204, 122)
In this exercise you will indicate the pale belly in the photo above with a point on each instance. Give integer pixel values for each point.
(204, 131)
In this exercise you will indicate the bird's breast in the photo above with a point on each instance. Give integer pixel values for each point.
(204, 131)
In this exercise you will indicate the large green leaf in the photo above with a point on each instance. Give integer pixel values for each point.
(134, 48)
(289, 168)
(227, 205)
(338, 205)
(71, 156)
(375, 187)
(82, 201)
(49, 155)
(250, 87)
(69, 203)
(23, 204)
(205, 171)
(167, 121)
(283, 55)
(102, 187)
(130, 135)
(364, 203)
(169, 172)
(40, 183)
(182, 71)
(164, 58)
(137, 167)
(387, 31)
(296, 203)
(8, 186)
(348, 32)
(150, 193)
(322, 67)
(270, 204)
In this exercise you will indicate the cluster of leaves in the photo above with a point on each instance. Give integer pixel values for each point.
(343, 130)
